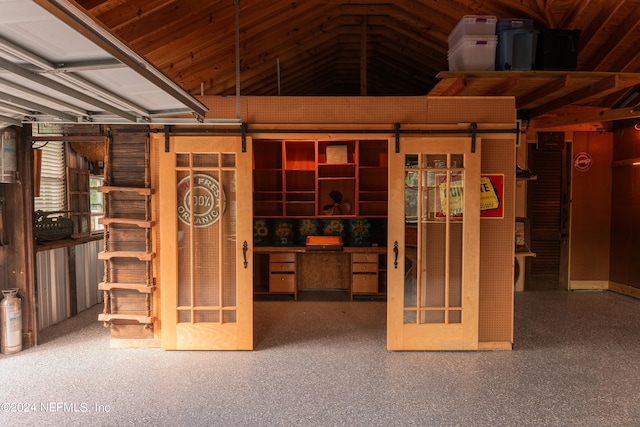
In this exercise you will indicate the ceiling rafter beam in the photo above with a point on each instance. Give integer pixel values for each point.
(601, 116)
(628, 26)
(573, 13)
(601, 13)
(546, 90)
(596, 88)
(505, 86)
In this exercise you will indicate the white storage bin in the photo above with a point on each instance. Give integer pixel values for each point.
(474, 53)
(473, 25)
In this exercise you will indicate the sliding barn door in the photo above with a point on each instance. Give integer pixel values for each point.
(434, 242)
(206, 246)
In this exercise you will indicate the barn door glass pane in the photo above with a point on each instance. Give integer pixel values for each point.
(206, 191)
(434, 208)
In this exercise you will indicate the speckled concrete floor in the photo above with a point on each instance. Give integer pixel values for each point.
(575, 363)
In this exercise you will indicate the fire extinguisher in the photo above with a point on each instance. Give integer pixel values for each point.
(10, 322)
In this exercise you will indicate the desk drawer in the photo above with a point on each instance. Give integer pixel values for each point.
(364, 283)
(364, 267)
(282, 283)
(282, 267)
(364, 257)
(283, 257)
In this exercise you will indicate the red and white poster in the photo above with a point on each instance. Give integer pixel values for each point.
(491, 195)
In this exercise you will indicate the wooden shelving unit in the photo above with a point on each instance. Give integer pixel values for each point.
(373, 178)
(297, 178)
(268, 190)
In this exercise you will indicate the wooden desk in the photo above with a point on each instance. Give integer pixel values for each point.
(317, 270)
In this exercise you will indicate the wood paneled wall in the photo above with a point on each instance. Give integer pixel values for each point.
(591, 212)
(625, 207)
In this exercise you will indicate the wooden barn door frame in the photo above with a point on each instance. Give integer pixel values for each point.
(206, 244)
(433, 276)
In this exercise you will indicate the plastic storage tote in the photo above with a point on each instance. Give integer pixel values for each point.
(513, 24)
(473, 53)
(516, 50)
(558, 50)
(473, 25)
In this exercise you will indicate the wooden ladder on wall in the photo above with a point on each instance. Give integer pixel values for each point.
(128, 253)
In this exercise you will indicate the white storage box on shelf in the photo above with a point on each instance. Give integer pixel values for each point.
(473, 25)
(473, 53)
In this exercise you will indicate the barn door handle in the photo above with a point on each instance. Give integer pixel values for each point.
(395, 251)
(245, 247)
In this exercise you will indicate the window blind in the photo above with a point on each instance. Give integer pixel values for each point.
(53, 194)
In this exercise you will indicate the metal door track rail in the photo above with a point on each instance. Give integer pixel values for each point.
(472, 130)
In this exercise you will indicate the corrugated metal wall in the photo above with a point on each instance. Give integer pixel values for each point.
(53, 300)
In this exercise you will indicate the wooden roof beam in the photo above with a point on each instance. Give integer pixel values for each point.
(574, 119)
(594, 89)
(505, 86)
(455, 86)
(544, 91)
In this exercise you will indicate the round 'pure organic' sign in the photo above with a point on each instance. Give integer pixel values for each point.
(208, 200)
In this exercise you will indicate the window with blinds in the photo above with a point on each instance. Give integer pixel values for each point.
(53, 194)
(97, 202)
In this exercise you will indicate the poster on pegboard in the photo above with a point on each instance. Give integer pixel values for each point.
(491, 196)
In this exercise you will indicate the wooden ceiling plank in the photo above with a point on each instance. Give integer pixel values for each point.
(97, 7)
(198, 36)
(629, 25)
(256, 42)
(127, 12)
(217, 59)
(626, 59)
(542, 92)
(415, 57)
(573, 13)
(594, 19)
(292, 68)
(158, 22)
(192, 42)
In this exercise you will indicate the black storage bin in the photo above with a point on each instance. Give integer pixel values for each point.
(557, 50)
(513, 24)
(516, 49)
